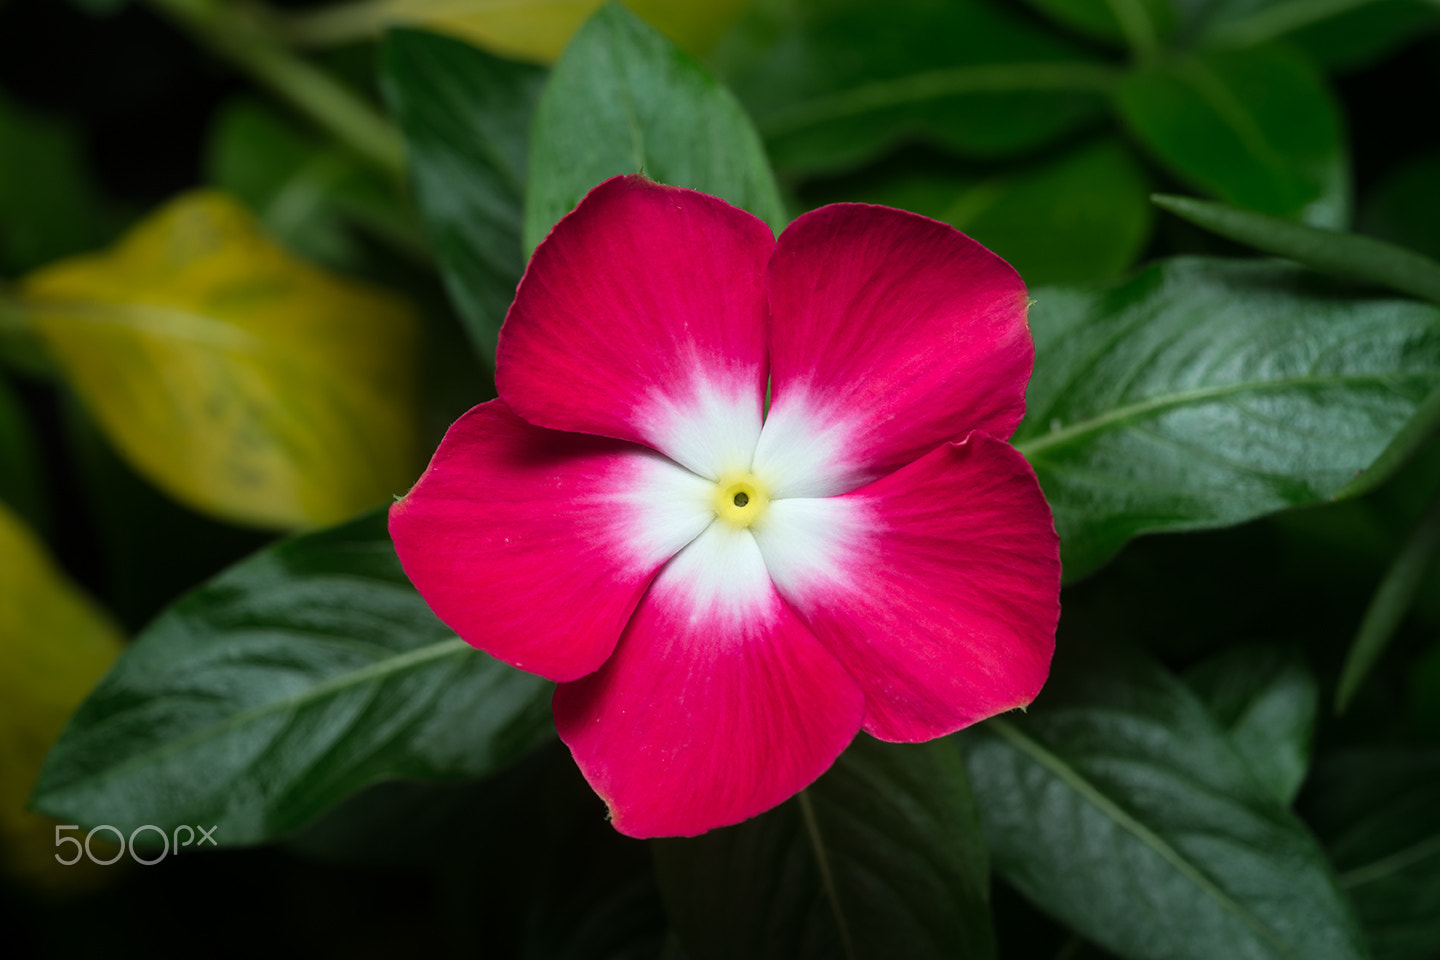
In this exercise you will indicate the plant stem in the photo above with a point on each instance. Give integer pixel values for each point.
(1391, 602)
(240, 35)
(333, 25)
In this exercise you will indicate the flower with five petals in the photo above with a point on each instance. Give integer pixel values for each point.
(744, 498)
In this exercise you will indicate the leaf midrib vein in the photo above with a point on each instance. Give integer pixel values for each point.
(1055, 75)
(1391, 863)
(1144, 834)
(379, 670)
(1201, 394)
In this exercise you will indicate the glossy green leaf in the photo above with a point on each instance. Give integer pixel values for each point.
(307, 193)
(1254, 127)
(1119, 806)
(1329, 251)
(282, 686)
(623, 99)
(1376, 809)
(1138, 24)
(1408, 573)
(21, 488)
(466, 118)
(1082, 216)
(880, 858)
(1265, 698)
(1203, 393)
(832, 83)
(1343, 254)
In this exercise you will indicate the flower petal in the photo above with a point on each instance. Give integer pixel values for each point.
(642, 316)
(891, 333)
(535, 545)
(718, 703)
(937, 587)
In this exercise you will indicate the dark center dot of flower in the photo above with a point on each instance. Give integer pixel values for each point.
(742, 498)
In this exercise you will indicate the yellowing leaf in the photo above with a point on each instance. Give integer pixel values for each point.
(55, 644)
(245, 383)
(693, 24)
(537, 30)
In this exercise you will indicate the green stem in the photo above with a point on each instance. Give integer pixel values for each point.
(935, 84)
(1392, 601)
(1138, 29)
(1329, 251)
(334, 25)
(241, 35)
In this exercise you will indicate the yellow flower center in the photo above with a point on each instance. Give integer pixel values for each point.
(740, 499)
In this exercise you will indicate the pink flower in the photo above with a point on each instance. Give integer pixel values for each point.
(726, 593)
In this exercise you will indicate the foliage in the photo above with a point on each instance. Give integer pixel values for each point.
(1233, 415)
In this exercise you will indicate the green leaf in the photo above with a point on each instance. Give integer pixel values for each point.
(1376, 808)
(1254, 127)
(1329, 251)
(1119, 806)
(1080, 216)
(21, 488)
(880, 858)
(1345, 254)
(1343, 33)
(1410, 441)
(1204, 393)
(466, 117)
(623, 99)
(293, 679)
(1408, 573)
(1139, 24)
(1265, 698)
(1365, 33)
(307, 193)
(832, 83)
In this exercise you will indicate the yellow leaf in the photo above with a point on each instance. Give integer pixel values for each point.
(55, 644)
(537, 30)
(245, 383)
(693, 24)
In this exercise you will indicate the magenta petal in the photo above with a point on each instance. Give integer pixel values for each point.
(718, 703)
(891, 333)
(534, 545)
(642, 316)
(937, 587)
